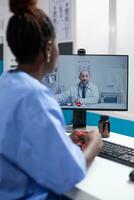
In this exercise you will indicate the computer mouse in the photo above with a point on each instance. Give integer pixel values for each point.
(131, 175)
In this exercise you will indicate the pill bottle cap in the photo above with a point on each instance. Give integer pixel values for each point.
(104, 117)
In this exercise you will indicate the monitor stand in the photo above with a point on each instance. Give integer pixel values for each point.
(79, 120)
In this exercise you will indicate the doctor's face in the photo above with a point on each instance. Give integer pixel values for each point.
(84, 77)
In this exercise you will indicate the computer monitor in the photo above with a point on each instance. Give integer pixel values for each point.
(90, 82)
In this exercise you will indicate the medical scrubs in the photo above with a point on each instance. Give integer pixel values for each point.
(37, 159)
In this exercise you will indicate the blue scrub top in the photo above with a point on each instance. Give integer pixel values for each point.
(36, 156)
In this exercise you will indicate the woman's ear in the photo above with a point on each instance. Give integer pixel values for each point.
(49, 51)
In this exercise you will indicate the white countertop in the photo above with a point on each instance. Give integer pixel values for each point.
(105, 179)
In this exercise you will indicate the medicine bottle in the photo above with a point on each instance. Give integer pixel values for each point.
(104, 126)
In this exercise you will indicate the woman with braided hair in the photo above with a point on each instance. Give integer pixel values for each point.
(37, 159)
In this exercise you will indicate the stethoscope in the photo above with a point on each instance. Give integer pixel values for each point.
(79, 90)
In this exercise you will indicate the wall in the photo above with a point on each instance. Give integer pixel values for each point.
(125, 41)
(4, 15)
(44, 5)
(92, 33)
(92, 25)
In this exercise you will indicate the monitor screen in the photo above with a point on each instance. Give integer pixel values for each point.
(94, 82)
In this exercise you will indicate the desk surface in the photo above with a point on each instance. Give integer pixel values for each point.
(105, 179)
(97, 105)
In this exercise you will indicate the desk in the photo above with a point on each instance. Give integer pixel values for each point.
(105, 179)
(97, 105)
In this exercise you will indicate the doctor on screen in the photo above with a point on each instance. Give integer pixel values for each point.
(83, 93)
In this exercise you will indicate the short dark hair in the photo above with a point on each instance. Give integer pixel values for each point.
(28, 30)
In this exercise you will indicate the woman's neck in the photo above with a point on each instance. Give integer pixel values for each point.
(33, 70)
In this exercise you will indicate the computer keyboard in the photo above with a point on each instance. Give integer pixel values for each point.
(117, 153)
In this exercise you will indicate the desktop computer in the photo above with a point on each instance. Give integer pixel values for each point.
(93, 82)
(90, 82)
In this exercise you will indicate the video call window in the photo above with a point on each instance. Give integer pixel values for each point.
(95, 82)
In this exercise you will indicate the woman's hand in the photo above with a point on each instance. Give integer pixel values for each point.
(90, 143)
